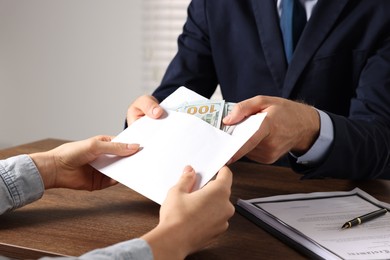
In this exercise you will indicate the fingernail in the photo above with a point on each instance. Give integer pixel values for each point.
(188, 169)
(155, 111)
(132, 146)
(227, 118)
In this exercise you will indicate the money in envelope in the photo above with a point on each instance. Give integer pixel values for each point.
(210, 111)
(177, 139)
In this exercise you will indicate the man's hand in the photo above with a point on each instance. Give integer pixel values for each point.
(144, 105)
(288, 126)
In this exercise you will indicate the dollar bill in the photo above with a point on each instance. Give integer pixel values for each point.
(227, 109)
(210, 111)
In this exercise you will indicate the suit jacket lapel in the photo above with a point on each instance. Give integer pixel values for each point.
(320, 24)
(267, 21)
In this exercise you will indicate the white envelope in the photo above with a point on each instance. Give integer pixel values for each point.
(169, 144)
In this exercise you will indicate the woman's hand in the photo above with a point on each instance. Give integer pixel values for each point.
(67, 166)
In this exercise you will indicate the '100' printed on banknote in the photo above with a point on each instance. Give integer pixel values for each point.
(210, 111)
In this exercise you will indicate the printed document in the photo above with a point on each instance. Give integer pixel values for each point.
(313, 221)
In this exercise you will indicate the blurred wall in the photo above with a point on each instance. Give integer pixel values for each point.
(68, 68)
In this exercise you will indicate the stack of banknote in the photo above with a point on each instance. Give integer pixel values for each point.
(210, 111)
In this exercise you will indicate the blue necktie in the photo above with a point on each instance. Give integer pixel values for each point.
(292, 22)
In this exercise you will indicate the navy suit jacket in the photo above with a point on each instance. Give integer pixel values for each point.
(341, 65)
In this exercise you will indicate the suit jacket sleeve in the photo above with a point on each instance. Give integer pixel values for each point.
(193, 65)
(361, 146)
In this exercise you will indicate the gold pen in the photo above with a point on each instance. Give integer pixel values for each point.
(364, 218)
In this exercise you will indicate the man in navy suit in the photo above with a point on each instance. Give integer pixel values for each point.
(328, 105)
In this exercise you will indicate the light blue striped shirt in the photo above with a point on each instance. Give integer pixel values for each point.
(21, 183)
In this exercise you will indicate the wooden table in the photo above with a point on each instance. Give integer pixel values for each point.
(67, 222)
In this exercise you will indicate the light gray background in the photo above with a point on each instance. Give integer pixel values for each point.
(68, 68)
